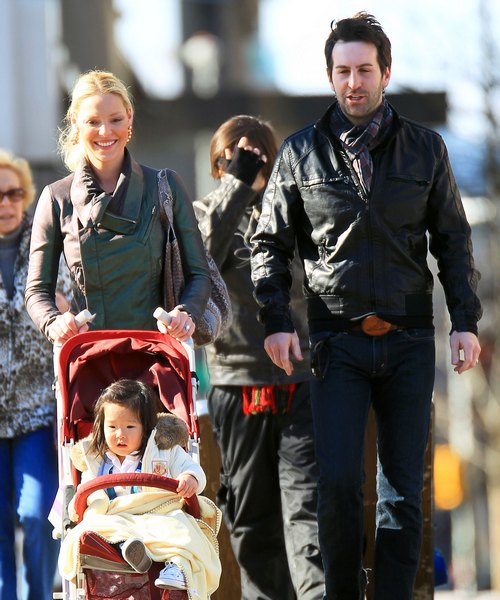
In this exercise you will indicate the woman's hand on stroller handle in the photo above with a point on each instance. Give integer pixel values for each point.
(67, 325)
(177, 323)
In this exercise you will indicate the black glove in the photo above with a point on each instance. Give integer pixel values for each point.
(245, 165)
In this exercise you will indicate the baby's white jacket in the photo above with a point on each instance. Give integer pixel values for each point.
(164, 453)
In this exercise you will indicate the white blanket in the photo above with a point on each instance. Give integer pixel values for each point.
(169, 533)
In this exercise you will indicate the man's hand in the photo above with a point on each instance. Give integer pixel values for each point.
(465, 350)
(279, 346)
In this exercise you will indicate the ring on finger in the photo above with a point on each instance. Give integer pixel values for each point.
(187, 327)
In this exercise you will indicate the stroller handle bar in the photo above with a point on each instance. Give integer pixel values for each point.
(162, 315)
(129, 479)
(85, 316)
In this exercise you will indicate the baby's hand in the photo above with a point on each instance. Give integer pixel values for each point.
(187, 485)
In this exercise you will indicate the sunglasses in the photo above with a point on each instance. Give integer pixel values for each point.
(13, 195)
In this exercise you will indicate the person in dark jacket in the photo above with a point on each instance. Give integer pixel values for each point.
(359, 192)
(105, 218)
(261, 417)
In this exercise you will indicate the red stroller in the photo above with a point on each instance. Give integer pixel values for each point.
(87, 363)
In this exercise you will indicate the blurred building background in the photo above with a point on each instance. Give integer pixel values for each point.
(193, 63)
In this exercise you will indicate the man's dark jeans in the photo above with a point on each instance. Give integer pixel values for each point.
(393, 373)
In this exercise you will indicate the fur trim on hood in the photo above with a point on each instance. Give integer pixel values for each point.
(170, 431)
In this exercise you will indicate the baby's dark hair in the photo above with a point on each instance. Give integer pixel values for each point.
(138, 397)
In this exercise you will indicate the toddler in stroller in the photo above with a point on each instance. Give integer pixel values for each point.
(129, 436)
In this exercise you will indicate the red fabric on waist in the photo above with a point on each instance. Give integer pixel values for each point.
(260, 399)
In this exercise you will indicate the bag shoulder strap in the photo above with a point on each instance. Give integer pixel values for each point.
(166, 196)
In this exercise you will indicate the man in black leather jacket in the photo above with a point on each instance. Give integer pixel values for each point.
(359, 192)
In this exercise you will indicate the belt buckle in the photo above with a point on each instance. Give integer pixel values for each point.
(375, 326)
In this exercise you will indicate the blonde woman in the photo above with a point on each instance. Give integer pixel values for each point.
(28, 462)
(105, 218)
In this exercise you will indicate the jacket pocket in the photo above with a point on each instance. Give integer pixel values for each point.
(409, 179)
(325, 181)
(331, 204)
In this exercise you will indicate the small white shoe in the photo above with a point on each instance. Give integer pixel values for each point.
(171, 578)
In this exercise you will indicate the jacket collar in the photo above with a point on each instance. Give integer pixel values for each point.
(91, 203)
(323, 126)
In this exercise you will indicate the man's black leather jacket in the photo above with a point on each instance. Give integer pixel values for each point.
(364, 253)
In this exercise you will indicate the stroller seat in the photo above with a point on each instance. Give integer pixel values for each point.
(87, 364)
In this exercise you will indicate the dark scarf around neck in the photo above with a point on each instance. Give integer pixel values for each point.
(358, 140)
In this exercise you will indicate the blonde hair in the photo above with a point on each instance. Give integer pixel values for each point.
(88, 84)
(21, 168)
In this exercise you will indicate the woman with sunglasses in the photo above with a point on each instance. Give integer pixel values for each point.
(28, 461)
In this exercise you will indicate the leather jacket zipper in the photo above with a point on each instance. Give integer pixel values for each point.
(365, 196)
(354, 178)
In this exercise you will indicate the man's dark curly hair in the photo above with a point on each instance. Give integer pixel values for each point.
(362, 27)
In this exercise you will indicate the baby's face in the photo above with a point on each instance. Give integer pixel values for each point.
(123, 430)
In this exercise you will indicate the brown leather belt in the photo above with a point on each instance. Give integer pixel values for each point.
(375, 326)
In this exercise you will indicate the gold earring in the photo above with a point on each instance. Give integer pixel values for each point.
(129, 137)
(76, 138)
